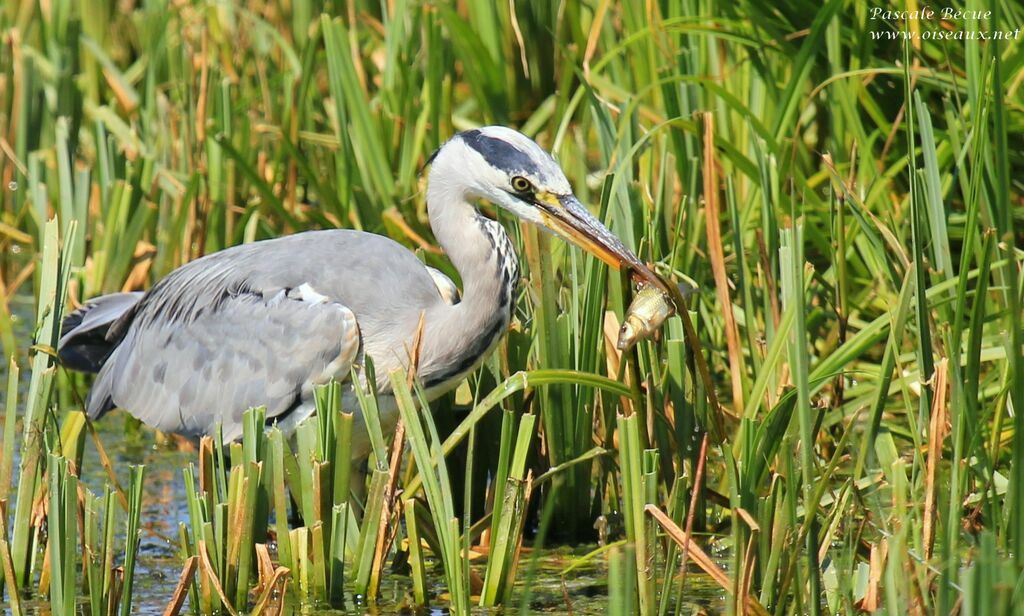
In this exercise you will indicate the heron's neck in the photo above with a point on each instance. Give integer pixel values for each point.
(456, 338)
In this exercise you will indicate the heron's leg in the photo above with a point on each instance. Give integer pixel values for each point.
(357, 486)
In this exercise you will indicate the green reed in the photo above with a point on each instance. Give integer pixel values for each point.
(845, 204)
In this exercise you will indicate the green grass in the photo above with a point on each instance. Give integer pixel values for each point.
(848, 206)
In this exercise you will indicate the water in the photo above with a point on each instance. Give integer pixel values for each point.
(164, 505)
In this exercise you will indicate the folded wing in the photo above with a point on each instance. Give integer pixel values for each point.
(248, 348)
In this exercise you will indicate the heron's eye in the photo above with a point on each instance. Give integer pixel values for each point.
(521, 184)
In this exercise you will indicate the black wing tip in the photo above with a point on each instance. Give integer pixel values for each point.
(74, 318)
(85, 356)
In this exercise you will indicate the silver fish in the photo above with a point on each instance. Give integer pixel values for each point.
(649, 309)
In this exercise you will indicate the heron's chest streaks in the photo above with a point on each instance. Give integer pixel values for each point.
(504, 254)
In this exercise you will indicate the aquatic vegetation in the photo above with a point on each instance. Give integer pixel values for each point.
(827, 424)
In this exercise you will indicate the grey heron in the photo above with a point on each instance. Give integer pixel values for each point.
(263, 323)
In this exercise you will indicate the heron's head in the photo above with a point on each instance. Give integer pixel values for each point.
(509, 169)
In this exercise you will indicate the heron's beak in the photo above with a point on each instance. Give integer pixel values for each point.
(567, 217)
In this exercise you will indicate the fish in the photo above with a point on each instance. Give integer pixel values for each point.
(649, 309)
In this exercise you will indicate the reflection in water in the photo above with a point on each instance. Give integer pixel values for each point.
(164, 505)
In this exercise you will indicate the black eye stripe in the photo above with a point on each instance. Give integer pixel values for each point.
(499, 153)
(527, 197)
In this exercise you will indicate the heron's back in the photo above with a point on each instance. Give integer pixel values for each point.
(375, 277)
(229, 309)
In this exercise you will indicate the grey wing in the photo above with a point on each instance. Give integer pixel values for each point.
(449, 292)
(247, 350)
